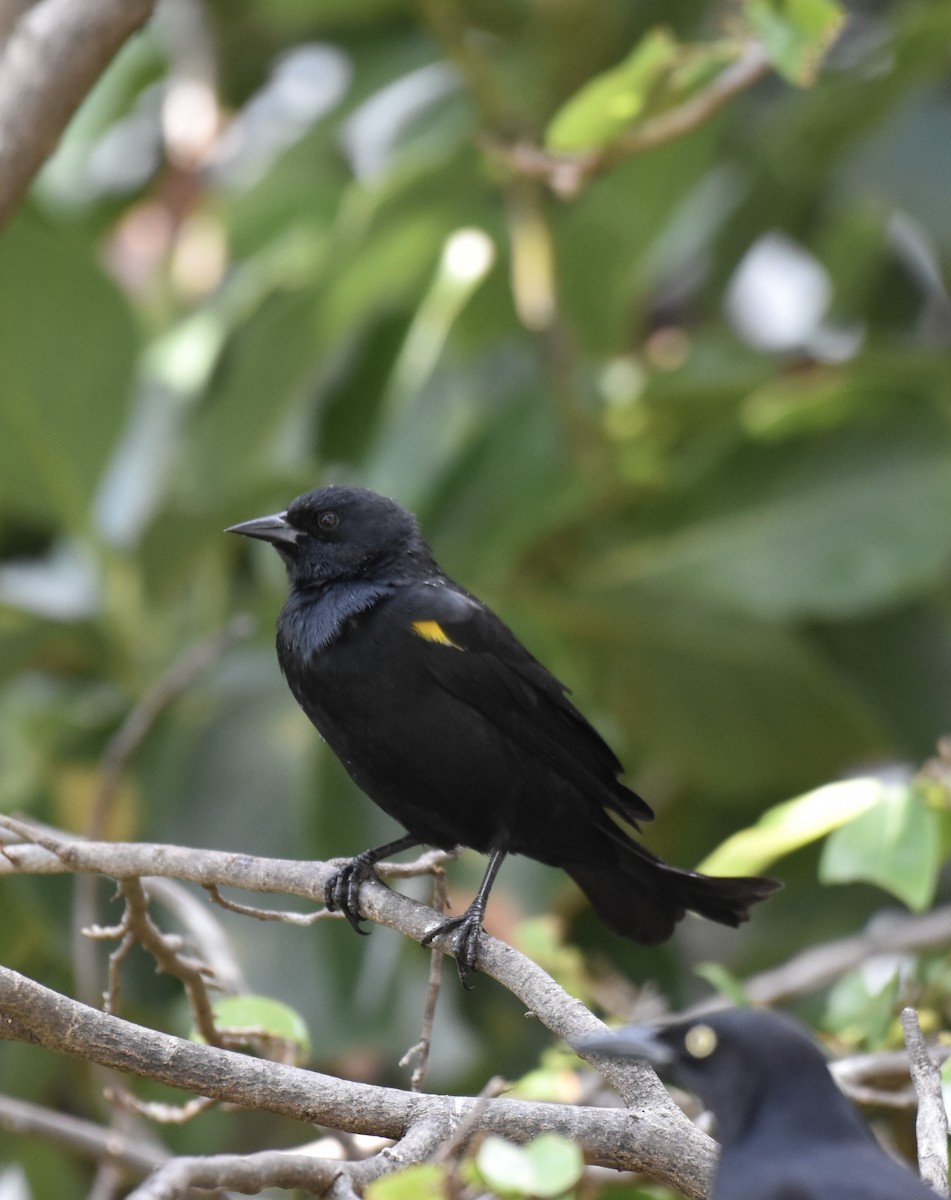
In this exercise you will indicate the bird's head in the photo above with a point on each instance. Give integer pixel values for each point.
(732, 1060)
(342, 533)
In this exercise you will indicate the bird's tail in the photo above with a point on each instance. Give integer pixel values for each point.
(642, 898)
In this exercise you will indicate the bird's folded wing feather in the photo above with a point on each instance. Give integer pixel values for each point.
(476, 658)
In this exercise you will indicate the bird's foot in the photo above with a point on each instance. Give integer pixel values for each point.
(468, 931)
(342, 892)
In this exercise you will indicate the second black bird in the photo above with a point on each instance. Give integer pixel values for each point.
(447, 722)
(786, 1131)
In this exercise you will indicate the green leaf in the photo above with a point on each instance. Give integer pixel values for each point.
(263, 1019)
(789, 405)
(796, 34)
(657, 74)
(505, 490)
(67, 348)
(505, 1167)
(424, 1181)
(861, 1007)
(788, 826)
(557, 1163)
(610, 102)
(822, 527)
(546, 1167)
(722, 699)
(256, 382)
(943, 818)
(894, 844)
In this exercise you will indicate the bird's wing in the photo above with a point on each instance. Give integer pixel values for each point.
(477, 658)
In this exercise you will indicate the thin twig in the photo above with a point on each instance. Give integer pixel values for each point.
(111, 998)
(430, 863)
(427, 863)
(204, 930)
(567, 174)
(931, 1125)
(138, 926)
(115, 761)
(270, 914)
(817, 967)
(164, 1114)
(418, 1055)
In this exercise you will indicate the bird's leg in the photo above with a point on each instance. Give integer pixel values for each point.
(469, 926)
(342, 891)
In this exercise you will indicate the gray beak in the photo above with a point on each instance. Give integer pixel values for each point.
(274, 529)
(634, 1041)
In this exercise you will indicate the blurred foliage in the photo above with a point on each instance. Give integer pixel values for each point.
(687, 431)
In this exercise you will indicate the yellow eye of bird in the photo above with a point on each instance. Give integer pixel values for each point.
(700, 1041)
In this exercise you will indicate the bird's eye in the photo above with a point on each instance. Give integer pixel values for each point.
(327, 520)
(700, 1041)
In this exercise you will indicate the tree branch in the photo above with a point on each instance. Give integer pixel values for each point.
(881, 1079)
(137, 1156)
(54, 55)
(137, 926)
(247, 1173)
(253, 1173)
(819, 966)
(931, 1126)
(567, 174)
(662, 1144)
(654, 1138)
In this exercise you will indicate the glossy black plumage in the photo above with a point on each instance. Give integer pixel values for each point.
(786, 1131)
(447, 722)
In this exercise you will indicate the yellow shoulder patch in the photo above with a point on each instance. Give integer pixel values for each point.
(432, 631)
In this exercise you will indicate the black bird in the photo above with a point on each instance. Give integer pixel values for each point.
(786, 1131)
(447, 722)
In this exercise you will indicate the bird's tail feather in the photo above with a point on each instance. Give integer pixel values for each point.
(641, 897)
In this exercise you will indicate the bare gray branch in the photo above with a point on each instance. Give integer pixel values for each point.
(52, 58)
(136, 1155)
(654, 1137)
(931, 1126)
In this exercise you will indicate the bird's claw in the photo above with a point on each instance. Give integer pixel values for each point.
(342, 891)
(468, 931)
